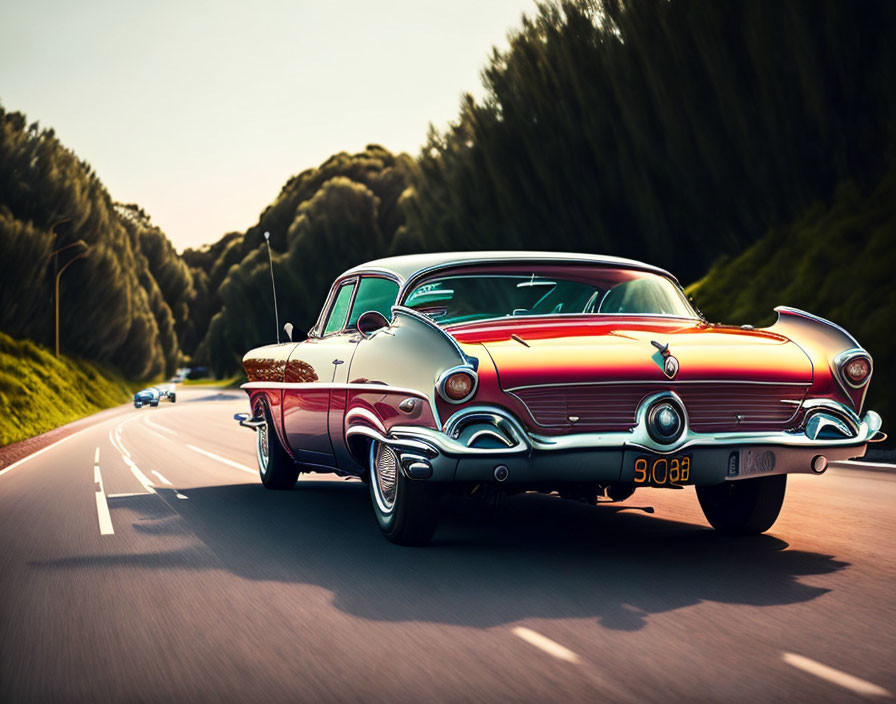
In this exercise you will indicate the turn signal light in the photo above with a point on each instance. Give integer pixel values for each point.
(857, 370)
(458, 386)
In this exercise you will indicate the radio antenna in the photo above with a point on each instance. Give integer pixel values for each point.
(267, 238)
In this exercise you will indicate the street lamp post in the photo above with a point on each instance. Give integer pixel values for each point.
(81, 255)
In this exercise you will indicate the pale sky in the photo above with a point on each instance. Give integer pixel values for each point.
(200, 111)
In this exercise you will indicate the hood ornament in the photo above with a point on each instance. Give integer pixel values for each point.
(670, 363)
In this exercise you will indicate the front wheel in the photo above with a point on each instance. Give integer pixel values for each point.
(406, 510)
(744, 507)
(275, 466)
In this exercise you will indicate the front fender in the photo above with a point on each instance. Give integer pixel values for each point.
(826, 345)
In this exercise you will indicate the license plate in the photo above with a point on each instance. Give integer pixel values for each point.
(656, 470)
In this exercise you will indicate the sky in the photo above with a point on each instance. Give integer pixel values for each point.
(200, 111)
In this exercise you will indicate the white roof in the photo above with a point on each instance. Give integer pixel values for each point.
(407, 266)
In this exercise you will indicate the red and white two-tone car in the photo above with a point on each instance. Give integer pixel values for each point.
(587, 375)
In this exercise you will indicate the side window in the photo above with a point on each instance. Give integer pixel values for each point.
(339, 311)
(374, 293)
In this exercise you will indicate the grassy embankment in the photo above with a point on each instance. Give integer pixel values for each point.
(39, 392)
(836, 261)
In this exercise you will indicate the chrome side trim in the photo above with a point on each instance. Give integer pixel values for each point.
(400, 443)
(330, 386)
(367, 416)
(448, 445)
(323, 385)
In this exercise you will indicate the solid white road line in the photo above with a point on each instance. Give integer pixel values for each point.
(855, 684)
(546, 644)
(224, 460)
(164, 481)
(102, 507)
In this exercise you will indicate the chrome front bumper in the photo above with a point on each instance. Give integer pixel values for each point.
(481, 444)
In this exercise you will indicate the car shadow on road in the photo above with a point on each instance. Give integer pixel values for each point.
(537, 557)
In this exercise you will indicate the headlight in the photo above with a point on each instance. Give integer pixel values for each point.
(665, 421)
(856, 370)
(457, 385)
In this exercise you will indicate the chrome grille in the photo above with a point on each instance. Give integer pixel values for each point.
(711, 407)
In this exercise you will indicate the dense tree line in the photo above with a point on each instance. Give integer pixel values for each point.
(324, 221)
(836, 261)
(668, 131)
(674, 131)
(125, 303)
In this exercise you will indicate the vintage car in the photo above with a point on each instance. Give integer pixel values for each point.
(147, 397)
(526, 371)
(152, 395)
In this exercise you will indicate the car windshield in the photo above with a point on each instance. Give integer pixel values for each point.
(458, 297)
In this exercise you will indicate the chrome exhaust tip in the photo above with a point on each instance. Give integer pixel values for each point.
(501, 472)
(819, 464)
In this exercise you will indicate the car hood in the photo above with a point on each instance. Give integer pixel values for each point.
(582, 350)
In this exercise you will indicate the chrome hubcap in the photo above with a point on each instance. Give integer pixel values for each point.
(385, 470)
(262, 446)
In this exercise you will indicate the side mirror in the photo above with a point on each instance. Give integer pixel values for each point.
(370, 322)
(294, 334)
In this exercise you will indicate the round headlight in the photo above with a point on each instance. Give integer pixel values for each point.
(458, 386)
(857, 370)
(665, 421)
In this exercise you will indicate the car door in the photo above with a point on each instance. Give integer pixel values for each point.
(374, 293)
(310, 374)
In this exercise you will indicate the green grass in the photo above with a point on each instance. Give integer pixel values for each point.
(837, 261)
(39, 392)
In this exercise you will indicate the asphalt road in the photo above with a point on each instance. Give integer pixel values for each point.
(200, 585)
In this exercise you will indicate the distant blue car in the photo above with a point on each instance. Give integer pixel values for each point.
(152, 395)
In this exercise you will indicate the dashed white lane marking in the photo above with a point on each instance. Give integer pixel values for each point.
(855, 684)
(96, 456)
(102, 506)
(164, 481)
(128, 494)
(141, 477)
(546, 644)
(158, 426)
(224, 460)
